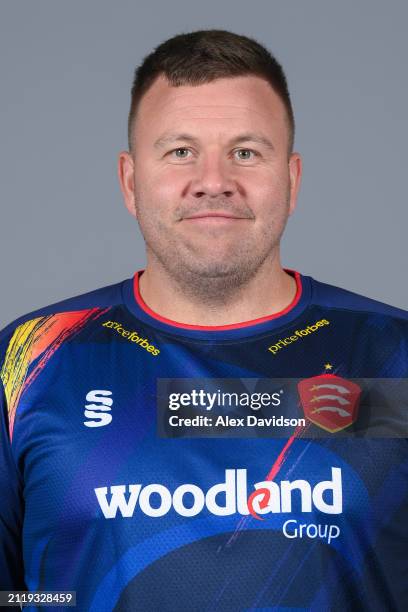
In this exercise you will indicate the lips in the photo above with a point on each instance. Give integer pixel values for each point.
(209, 214)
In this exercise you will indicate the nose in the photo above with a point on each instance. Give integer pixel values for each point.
(213, 178)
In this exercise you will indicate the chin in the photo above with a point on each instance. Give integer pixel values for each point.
(220, 268)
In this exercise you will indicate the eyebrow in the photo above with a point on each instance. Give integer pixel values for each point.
(167, 139)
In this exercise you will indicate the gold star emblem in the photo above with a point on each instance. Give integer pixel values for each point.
(328, 366)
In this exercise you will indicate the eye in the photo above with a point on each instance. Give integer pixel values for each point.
(245, 154)
(180, 153)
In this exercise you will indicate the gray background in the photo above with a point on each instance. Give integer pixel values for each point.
(65, 74)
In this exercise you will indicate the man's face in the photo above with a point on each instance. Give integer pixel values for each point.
(209, 179)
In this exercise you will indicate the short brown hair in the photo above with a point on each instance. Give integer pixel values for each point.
(203, 56)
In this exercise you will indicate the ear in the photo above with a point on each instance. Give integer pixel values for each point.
(295, 174)
(127, 181)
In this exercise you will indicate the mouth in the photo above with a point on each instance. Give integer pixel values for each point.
(214, 217)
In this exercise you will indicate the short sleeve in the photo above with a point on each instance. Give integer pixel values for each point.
(11, 510)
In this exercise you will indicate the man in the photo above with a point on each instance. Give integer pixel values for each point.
(108, 487)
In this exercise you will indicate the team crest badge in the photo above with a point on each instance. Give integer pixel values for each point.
(329, 401)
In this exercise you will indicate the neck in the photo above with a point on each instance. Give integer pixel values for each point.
(267, 292)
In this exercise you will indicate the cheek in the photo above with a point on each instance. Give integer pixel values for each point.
(270, 200)
(155, 201)
(271, 177)
(162, 186)
(269, 189)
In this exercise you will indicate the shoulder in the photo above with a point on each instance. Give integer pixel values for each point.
(66, 312)
(331, 296)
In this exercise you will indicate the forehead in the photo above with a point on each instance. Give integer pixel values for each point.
(237, 102)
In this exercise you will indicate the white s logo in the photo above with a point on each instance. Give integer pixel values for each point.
(99, 412)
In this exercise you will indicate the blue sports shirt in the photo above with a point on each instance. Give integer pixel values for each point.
(94, 500)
